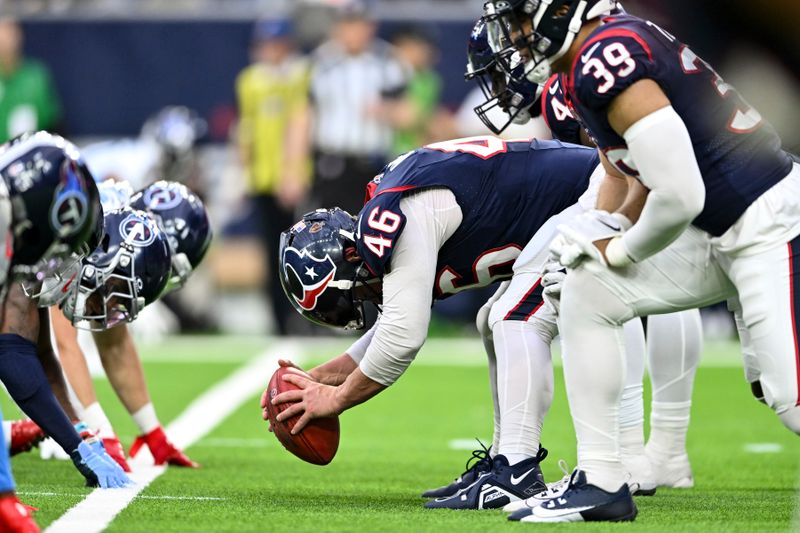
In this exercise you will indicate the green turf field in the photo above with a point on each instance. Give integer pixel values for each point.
(399, 444)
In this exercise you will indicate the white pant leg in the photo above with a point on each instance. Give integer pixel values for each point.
(482, 323)
(761, 255)
(595, 301)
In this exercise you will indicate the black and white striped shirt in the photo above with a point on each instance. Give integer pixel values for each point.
(343, 89)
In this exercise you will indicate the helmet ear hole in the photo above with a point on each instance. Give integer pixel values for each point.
(351, 255)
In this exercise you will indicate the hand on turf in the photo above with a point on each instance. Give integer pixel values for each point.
(313, 400)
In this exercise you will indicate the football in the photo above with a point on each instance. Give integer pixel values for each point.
(317, 443)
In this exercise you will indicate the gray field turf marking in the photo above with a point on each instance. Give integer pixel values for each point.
(94, 513)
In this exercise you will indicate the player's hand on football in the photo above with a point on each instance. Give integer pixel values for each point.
(312, 400)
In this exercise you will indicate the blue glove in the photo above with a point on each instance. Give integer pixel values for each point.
(98, 468)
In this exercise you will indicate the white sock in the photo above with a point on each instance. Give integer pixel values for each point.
(488, 344)
(7, 434)
(524, 384)
(631, 409)
(594, 372)
(146, 419)
(674, 345)
(96, 419)
(514, 458)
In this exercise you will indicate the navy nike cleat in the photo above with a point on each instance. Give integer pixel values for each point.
(500, 486)
(479, 463)
(582, 502)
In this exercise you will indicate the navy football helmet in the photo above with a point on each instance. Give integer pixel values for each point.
(175, 130)
(182, 216)
(545, 29)
(515, 96)
(126, 272)
(321, 274)
(56, 210)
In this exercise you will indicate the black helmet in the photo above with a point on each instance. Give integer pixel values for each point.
(55, 204)
(320, 271)
(515, 95)
(182, 216)
(554, 25)
(128, 271)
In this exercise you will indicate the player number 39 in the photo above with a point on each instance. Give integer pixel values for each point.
(616, 55)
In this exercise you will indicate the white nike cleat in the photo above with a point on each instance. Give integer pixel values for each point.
(674, 472)
(553, 490)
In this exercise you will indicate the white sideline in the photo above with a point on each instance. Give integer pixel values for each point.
(94, 513)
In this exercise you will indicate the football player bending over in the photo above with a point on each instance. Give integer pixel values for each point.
(182, 218)
(721, 220)
(443, 219)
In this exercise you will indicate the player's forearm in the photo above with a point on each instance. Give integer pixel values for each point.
(612, 193)
(335, 371)
(356, 389)
(73, 362)
(123, 367)
(677, 192)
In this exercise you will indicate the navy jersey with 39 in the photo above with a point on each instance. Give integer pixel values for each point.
(739, 153)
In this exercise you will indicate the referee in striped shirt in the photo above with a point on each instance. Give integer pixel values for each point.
(357, 89)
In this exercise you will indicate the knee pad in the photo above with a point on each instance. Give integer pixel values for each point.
(482, 321)
(758, 392)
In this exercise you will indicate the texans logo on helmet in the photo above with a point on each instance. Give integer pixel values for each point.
(162, 198)
(314, 275)
(137, 231)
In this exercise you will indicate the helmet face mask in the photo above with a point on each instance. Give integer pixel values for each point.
(321, 275)
(516, 98)
(541, 30)
(128, 271)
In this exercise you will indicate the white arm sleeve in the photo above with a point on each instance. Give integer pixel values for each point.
(432, 217)
(661, 149)
(358, 349)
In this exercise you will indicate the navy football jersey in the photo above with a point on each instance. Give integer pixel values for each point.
(506, 190)
(739, 154)
(557, 114)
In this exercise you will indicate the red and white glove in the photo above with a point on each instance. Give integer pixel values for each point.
(163, 451)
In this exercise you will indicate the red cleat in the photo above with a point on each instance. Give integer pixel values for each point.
(114, 448)
(15, 516)
(164, 452)
(25, 434)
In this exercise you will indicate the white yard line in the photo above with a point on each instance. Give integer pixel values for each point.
(98, 509)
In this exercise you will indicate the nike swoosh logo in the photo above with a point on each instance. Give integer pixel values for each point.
(516, 480)
(585, 57)
(554, 87)
(611, 226)
(544, 512)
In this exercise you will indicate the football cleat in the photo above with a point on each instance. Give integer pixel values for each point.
(554, 490)
(674, 472)
(25, 434)
(115, 450)
(642, 482)
(163, 451)
(498, 487)
(480, 462)
(15, 516)
(583, 502)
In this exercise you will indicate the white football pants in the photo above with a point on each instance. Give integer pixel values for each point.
(758, 258)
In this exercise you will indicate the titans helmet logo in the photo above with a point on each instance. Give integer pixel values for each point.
(138, 231)
(314, 275)
(162, 198)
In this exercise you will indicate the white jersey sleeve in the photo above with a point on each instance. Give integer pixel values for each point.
(433, 216)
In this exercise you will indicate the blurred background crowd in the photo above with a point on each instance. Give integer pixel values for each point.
(270, 108)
